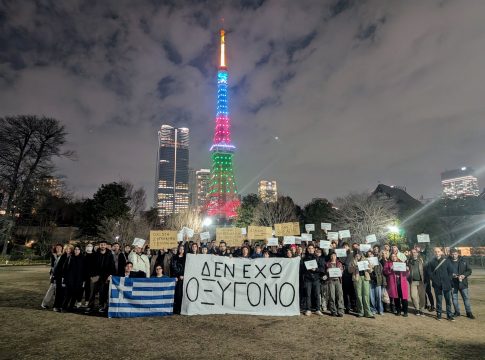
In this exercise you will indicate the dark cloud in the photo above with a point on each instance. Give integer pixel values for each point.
(355, 92)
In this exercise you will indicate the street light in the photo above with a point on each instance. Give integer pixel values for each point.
(207, 221)
(393, 229)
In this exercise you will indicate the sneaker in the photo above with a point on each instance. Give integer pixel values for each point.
(78, 305)
(319, 313)
(102, 310)
(451, 319)
(405, 314)
(308, 313)
(417, 313)
(359, 315)
(470, 316)
(340, 315)
(56, 309)
(379, 313)
(370, 317)
(456, 314)
(438, 317)
(44, 306)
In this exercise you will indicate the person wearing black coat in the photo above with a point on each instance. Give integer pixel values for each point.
(311, 279)
(178, 269)
(440, 272)
(60, 271)
(461, 272)
(101, 267)
(74, 279)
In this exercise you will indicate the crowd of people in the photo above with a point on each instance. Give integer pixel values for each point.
(364, 284)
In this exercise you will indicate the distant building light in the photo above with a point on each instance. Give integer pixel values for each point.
(463, 168)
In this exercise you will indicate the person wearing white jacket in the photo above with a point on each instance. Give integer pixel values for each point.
(140, 261)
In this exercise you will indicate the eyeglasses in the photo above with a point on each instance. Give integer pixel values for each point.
(159, 268)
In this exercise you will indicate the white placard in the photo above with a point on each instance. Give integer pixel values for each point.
(344, 234)
(372, 238)
(311, 264)
(334, 272)
(180, 236)
(272, 241)
(401, 256)
(224, 285)
(188, 231)
(205, 236)
(138, 242)
(324, 244)
(306, 237)
(423, 238)
(364, 247)
(243, 231)
(297, 240)
(398, 266)
(288, 240)
(363, 265)
(332, 236)
(309, 227)
(374, 261)
(326, 226)
(341, 253)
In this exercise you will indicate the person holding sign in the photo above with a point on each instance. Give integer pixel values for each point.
(140, 261)
(377, 281)
(361, 279)
(397, 284)
(334, 270)
(311, 269)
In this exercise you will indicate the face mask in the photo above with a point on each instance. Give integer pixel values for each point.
(89, 249)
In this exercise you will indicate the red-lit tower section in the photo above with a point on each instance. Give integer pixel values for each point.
(223, 199)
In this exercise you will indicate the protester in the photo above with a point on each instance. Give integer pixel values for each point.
(311, 280)
(397, 286)
(377, 282)
(416, 281)
(361, 280)
(204, 250)
(334, 284)
(347, 283)
(119, 258)
(223, 251)
(258, 252)
(74, 279)
(51, 291)
(101, 267)
(178, 269)
(159, 272)
(140, 261)
(461, 272)
(441, 272)
(61, 269)
(323, 283)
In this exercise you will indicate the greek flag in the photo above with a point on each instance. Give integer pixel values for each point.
(138, 297)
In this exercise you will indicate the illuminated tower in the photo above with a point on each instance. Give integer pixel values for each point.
(223, 199)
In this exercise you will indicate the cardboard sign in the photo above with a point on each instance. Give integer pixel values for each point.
(311, 264)
(326, 226)
(324, 244)
(288, 240)
(334, 272)
(231, 235)
(306, 237)
(205, 236)
(423, 238)
(259, 232)
(364, 247)
(180, 236)
(272, 241)
(398, 266)
(332, 236)
(363, 265)
(138, 242)
(287, 229)
(309, 227)
(401, 256)
(344, 234)
(163, 239)
(341, 253)
(371, 239)
(374, 261)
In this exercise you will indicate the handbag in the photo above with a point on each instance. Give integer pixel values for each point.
(385, 296)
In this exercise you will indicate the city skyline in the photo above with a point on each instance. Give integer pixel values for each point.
(345, 97)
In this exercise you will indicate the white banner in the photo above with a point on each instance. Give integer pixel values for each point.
(223, 285)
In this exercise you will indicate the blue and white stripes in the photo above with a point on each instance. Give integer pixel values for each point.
(138, 297)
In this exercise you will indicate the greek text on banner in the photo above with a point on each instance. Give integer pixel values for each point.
(222, 285)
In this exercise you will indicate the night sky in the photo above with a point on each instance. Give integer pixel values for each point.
(326, 97)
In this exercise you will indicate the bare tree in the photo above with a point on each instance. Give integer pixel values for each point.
(191, 218)
(28, 145)
(124, 230)
(268, 214)
(364, 214)
(137, 198)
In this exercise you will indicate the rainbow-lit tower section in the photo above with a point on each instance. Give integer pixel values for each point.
(223, 199)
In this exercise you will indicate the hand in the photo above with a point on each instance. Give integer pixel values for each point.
(63, 285)
(461, 277)
(109, 279)
(181, 277)
(324, 277)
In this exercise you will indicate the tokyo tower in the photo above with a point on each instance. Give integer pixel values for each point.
(223, 198)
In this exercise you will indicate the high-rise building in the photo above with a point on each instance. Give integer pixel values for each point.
(173, 170)
(202, 181)
(192, 188)
(459, 183)
(268, 191)
(223, 198)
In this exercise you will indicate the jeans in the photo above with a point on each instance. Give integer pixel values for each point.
(439, 293)
(466, 300)
(362, 290)
(376, 304)
(312, 291)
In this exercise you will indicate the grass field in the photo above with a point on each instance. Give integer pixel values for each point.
(28, 332)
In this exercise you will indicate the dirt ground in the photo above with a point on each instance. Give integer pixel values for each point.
(28, 332)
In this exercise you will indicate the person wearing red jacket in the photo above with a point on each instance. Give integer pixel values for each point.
(397, 286)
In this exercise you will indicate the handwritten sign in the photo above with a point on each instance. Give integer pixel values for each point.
(324, 244)
(373, 261)
(272, 241)
(288, 240)
(231, 235)
(364, 247)
(287, 229)
(205, 236)
(138, 242)
(398, 266)
(180, 236)
(326, 226)
(423, 238)
(371, 238)
(188, 231)
(163, 239)
(259, 232)
(311, 264)
(306, 237)
(334, 272)
(344, 234)
(341, 253)
(243, 231)
(332, 236)
(363, 265)
(309, 227)
(401, 256)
